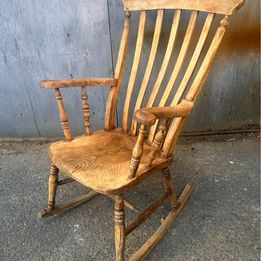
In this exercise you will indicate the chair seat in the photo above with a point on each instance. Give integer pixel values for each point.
(101, 161)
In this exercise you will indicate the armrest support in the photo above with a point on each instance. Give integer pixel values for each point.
(77, 82)
(148, 116)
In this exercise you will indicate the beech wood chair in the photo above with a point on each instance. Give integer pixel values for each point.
(112, 161)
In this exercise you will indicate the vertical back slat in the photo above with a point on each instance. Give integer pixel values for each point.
(165, 63)
(190, 69)
(178, 65)
(197, 84)
(194, 59)
(149, 68)
(119, 71)
(207, 62)
(134, 69)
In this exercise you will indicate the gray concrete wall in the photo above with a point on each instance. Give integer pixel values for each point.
(63, 39)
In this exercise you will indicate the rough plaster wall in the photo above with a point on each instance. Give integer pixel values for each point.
(59, 39)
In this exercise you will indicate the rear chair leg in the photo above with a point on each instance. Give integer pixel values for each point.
(169, 185)
(119, 230)
(52, 188)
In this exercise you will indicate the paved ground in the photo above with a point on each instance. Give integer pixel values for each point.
(220, 221)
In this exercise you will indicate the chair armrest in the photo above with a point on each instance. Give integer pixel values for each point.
(148, 116)
(77, 82)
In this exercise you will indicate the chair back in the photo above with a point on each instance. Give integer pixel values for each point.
(184, 66)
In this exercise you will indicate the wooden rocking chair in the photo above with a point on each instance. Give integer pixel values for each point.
(112, 161)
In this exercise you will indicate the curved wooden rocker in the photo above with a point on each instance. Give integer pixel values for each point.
(112, 161)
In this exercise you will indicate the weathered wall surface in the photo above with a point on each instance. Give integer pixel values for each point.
(63, 39)
(44, 39)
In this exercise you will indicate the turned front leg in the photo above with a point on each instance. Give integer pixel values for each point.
(119, 231)
(53, 181)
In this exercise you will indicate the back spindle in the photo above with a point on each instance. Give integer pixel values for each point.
(86, 111)
(63, 115)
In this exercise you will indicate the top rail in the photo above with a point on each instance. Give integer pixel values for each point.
(225, 7)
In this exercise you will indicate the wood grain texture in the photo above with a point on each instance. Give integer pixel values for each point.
(189, 70)
(226, 7)
(52, 187)
(119, 229)
(178, 65)
(208, 60)
(72, 203)
(149, 67)
(148, 116)
(181, 57)
(170, 188)
(111, 161)
(196, 86)
(161, 231)
(165, 62)
(157, 142)
(77, 82)
(119, 72)
(134, 69)
(194, 59)
(146, 213)
(86, 112)
(137, 152)
(63, 115)
(101, 161)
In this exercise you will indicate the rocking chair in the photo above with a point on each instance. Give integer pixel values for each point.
(114, 160)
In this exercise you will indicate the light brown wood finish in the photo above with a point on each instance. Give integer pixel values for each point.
(119, 230)
(150, 64)
(101, 161)
(194, 59)
(86, 112)
(160, 232)
(119, 71)
(226, 7)
(63, 115)
(65, 181)
(169, 185)
(179, 64)
(146, 213)
(205, 67)
(134, 69)
(137, 152)
(157, 142)
(77, 82)
(53, 182)
(113, 161)
(180, 59)
(197, 84)
(148, 116)
(75, 202)
(165, 63)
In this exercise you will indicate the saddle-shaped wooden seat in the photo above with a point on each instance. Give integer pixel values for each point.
(114, 160)
(101, 161)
